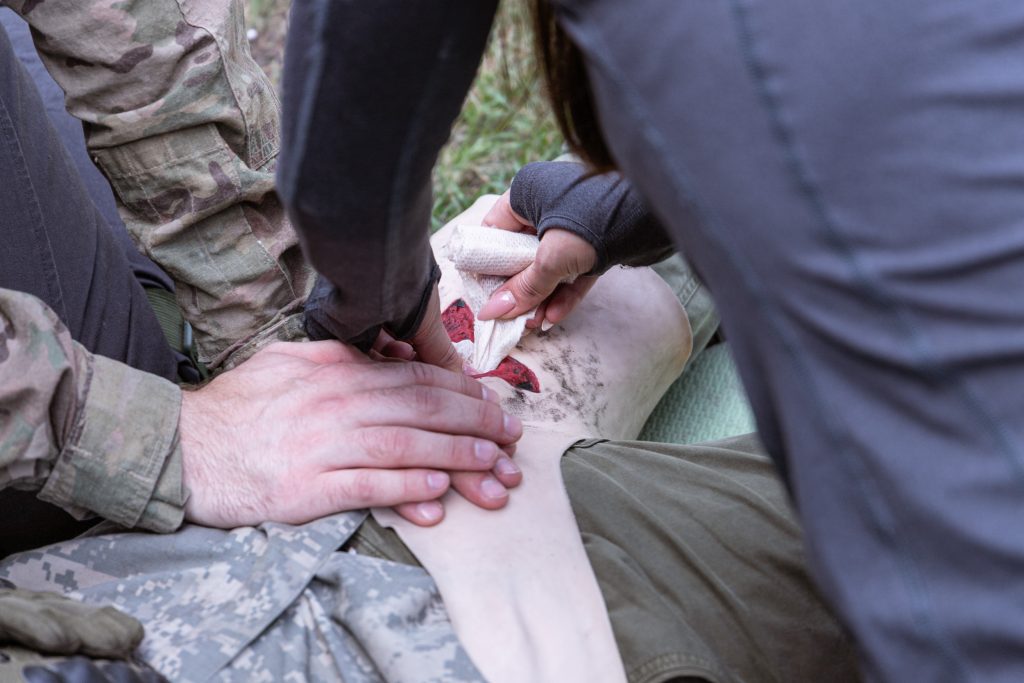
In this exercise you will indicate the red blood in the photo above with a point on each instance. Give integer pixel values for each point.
(458, 323)
(516, 374)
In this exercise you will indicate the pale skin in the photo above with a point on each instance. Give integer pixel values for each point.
(629, 333)
(562, 255)
(302, 430)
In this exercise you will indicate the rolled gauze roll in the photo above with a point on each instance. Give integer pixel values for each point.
(485, 258)
(491, 251)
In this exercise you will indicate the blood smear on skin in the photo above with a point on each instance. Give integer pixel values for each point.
(458, 323)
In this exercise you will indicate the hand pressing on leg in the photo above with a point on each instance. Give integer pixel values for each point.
(302, 430)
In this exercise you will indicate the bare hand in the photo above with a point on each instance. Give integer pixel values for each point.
(562, 255)
(486, 490)
(302, 430)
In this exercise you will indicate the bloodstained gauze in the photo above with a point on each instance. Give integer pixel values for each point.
(516, 374)
(458, 323)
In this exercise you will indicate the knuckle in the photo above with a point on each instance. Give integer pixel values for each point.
(331, 375)
(328, 407)
(362, 490)
(470, 387)
(424, 400)
(389, 443)
(450, 357)
(529, 288)
(490, 417)
(457, 450)
(410, 487)
(420, 373)
(550, 263)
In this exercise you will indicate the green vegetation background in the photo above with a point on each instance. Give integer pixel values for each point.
(504, 124)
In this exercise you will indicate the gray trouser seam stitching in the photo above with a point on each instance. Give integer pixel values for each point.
(677, 175)
(785, 137)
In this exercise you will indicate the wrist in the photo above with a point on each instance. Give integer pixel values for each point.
(194, 437)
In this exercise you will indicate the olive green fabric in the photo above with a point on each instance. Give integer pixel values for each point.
(701, 563)
(699, 560)
(170, 317)
(51, 623)
(706, 403)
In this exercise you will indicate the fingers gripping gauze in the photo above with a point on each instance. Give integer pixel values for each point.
(485, 258)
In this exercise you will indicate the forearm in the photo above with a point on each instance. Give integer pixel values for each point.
(94, 436)
(604, 210)
(185, 126)
(364, 119)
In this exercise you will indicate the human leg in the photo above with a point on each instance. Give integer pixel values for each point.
(58, 248)
(699, 560)
(845, 175)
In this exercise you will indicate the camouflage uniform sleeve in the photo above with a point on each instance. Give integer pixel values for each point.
(185, 126)
(92, 435)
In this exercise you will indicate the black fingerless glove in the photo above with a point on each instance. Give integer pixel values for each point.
(604, 210)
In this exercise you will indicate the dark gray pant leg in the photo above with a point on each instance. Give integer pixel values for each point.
(57, 247)
(849, 177)
(69, 130)
(56, 244)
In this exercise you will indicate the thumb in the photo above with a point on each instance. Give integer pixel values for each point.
(433, 346)
(431, 341)
(521, 293)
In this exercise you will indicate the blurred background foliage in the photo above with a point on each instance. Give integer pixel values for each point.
(505, 122)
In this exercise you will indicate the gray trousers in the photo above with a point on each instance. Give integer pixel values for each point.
(848, 177)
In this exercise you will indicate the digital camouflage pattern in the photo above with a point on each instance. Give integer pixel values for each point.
(19, 665)
(273, 603)
(186, 127)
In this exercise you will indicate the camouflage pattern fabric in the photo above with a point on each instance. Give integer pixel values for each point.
(18, 665)
(186, 127)
(49, 622)
(96, 436)
(271, 603)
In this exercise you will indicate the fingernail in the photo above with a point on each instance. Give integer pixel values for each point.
(506, 467)
(437, 481)
(492, 488)
(513, 426)
(546, 325)
(485, 452)
(497, 306)
(430, 511)
(491, 395)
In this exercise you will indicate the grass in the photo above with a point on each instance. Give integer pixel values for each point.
(504, 124)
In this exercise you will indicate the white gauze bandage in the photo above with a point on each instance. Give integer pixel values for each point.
(486, 258)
